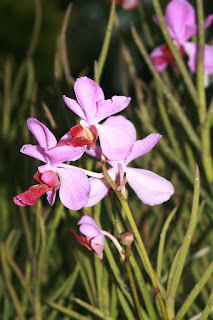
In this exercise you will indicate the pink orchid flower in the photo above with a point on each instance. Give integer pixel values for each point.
(92, 108)
(94, 237)
(72, 183)
(128, 4)
(148, 186)
(180, 19)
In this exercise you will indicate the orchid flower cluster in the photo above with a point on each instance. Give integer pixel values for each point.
(180, 19)
(117, 138)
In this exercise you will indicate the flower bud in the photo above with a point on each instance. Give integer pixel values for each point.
(126, 238)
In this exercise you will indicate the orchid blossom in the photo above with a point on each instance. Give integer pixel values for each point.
(148, 186)
(94, 237)
(72, 183)
(180, 20)
(115, 141)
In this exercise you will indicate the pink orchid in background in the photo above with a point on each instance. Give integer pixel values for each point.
(180, 19)
(94, 239)
(72, 183)
(128, 4)
(115, 141)
(148, 186)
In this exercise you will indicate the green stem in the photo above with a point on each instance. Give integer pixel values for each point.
(132, 284)
(208, 308)
(183, 251)
(137, 236)
(193, 294)
(205, 131)
(91, 309)
(63, 310)
(105, 47)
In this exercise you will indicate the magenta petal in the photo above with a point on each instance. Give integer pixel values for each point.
(158, 58)
(191, 49)
(74, 106)
(43, 135)
(89, 230)
(143, 146)
(179, 14)
(51, 196)
(87, 219)
(64, 153)
(208, 21)
(30, 197)
(74, 188)
(156, 21)
(97, 244)
(148, 186)
(99, 189)
(94, 153)
(88, 92)
(36, 152)
(111, 106)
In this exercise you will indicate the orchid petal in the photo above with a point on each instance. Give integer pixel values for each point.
(179, 15)
(208, 21)
(30, 197)
(158, 58)
(94, 153)
(74, 188)
(89, 230)
(148, 186)
(116, 143)
(43, 135)
(191, 49)
(143, 146)
(51, 195)
(88, 219)
(97, 245)
(75, 107)
(64, 153)
(99, 188)
(106, 108)
(36, 152)
(88, 93)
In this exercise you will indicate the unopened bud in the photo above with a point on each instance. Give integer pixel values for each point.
(126, 238)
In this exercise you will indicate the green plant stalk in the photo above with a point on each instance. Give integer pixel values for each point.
(193, 294)
(138, 238)
(105, 47)
(144, 24)
(99, 278)
(205, 131)
(10, 287)
(63, 310)
(116, 271)
(91, 309)
(167, 123)
(209, 116)
(207, 310)
(162, 242)
(15, 267)
(65, 60)
(7, 99)
(180, 64)
(185, 246)
(132, 284)
(27, 232)
(175, 105)
(125, 305)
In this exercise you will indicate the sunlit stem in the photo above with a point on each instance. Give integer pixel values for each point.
(116, 243)
(137, 236)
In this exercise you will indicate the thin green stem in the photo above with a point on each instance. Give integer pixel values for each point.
(132, 284)
(183, 251)
(205, 131)
(91, 309)
(137, 236)
(208, 308)
(105, 47)
(193, 294)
